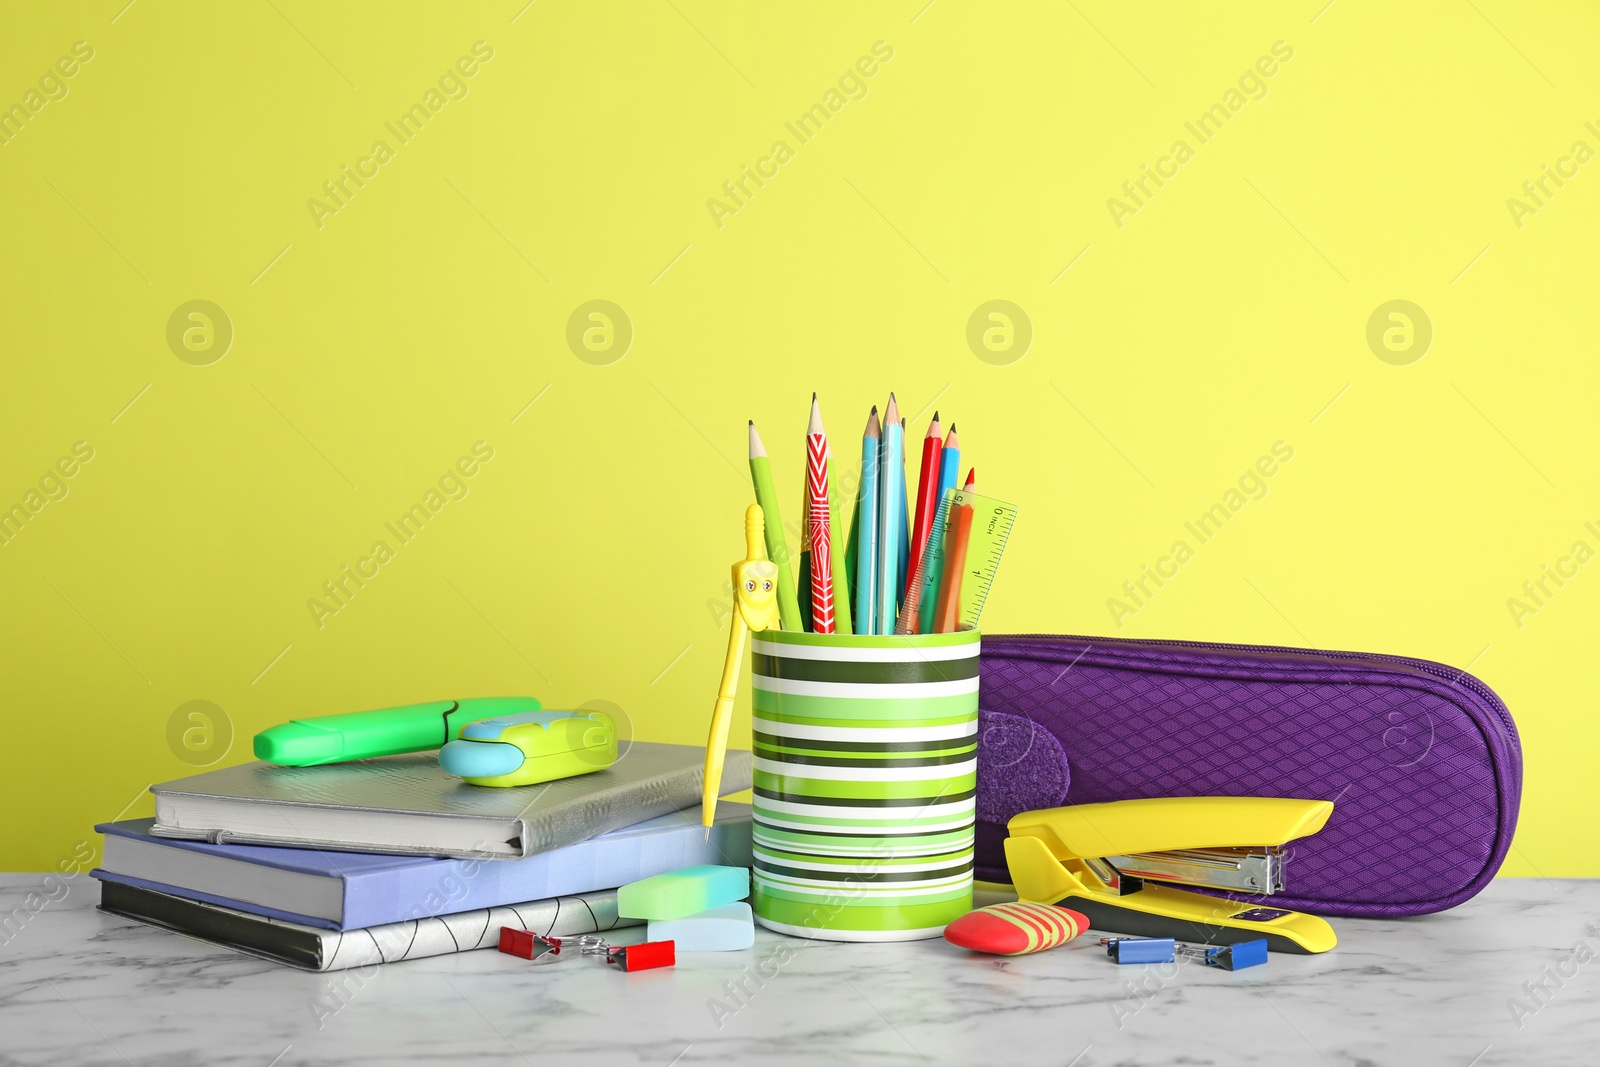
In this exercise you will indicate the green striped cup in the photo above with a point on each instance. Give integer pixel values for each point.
(866, 754)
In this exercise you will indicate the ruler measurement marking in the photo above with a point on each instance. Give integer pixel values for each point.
(993, 531)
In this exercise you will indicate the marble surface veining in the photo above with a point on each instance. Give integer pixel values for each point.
(1508, 978)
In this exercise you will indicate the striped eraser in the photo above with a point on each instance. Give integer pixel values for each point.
(1016, 928)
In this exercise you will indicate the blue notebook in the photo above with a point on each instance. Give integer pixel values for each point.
(351, 890)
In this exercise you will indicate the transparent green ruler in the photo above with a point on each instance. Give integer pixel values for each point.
(992, 521)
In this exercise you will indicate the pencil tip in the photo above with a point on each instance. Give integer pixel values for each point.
(935, 416)
(874, 409)
(752, 422)
(813, 394)
(952, 427)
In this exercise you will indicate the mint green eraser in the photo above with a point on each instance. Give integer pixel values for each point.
(723, 929)
(683, 892)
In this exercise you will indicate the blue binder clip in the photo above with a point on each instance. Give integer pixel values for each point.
(1234, 957)
(1140, 949)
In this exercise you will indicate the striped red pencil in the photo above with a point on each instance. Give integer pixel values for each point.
(821, 533)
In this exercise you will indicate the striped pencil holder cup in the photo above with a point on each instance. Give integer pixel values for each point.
(866, 757)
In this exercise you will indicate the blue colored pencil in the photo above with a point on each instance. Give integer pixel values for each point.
(891, 517)
(950, 462)
(949, 471)
(866, 531)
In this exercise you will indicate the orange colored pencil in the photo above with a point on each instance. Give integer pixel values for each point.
(958, 534)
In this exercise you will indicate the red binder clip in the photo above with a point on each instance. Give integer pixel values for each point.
(643, 957)
(528, 944)
(541, 949)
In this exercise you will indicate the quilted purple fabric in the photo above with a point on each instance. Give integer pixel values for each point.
(1421, 760)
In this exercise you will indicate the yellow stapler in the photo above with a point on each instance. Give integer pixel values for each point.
(1105, 860)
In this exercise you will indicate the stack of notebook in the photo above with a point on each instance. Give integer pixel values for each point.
(377, 860)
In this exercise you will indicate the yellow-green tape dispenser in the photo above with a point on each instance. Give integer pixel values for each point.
(531, 747)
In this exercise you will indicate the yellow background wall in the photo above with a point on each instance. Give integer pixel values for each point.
(1172, 346)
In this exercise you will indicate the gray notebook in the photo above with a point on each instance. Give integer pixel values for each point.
(409, 805)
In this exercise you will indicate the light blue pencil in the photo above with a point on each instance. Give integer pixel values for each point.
(866, 531)
(891, 517)
(950, 462)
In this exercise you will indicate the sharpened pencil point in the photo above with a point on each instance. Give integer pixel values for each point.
(874, 409)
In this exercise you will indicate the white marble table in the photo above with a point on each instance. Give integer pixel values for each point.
(81, 987)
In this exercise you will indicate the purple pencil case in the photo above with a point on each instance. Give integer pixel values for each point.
(1421, 760)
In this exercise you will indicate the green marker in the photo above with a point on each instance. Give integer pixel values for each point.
(777, 547)
(383, 732)
(839, 559)
(852, 546)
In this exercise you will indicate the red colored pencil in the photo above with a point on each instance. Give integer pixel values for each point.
(927, 493)
(821, 533)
